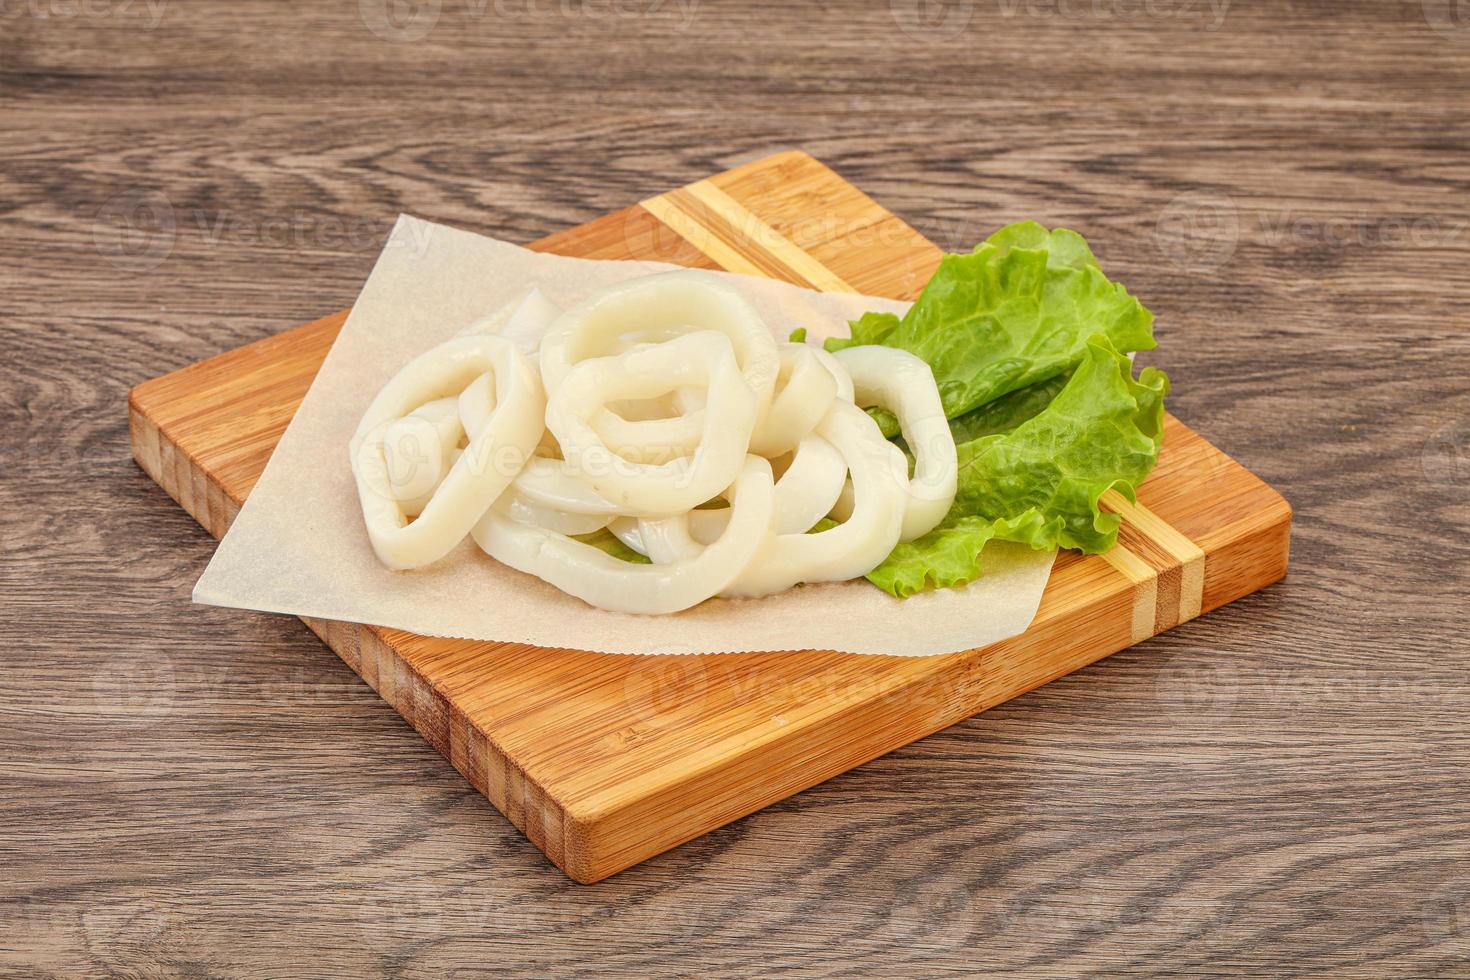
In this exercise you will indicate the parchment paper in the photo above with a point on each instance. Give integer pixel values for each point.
(299, 547)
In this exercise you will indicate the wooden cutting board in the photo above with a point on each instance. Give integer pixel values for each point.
(603, 761)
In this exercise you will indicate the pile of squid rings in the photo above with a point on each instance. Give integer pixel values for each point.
(663, 410)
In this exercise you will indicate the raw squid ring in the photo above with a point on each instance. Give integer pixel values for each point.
(555, 484)
(601, 580)
(805, 493)
(545, 492)
(855, 547)
(475, 404)
(517, 508)
(657, 308)
(625, 529)
(804, 391)
(648, 372)
(664, 540)
(491, 460)
(419, 450)
(658, 439)
(904, 384)
(839, 373)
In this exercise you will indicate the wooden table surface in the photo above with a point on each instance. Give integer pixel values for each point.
(1279, 787)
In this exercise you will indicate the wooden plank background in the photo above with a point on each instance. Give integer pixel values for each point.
(1279, 787)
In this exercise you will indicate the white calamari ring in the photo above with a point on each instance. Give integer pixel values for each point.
(839, 373)
(476, 404)
(902, 383)
(673, 487)
(656, 438)
(482, 471)
(666, 540)
(419, 449)
(516, 507)
(555, 484)
(855, 547)
(625, 529)
(654, 309)
(601, 580)
(805, 493)
(803, 393)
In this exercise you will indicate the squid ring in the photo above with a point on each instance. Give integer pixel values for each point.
(805, 387)
(665, 540)
(419, 449)
(904, 384)
(805, 493)
(517, 508)
(803, 393)
(656, 308)
(855, 547)
(491, 460)
(677, 485)
(555, 484)
(839, 373)
(601, 580)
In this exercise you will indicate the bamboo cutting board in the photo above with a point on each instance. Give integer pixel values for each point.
(603, 761)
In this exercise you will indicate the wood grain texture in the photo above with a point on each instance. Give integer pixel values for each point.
(1275, 788)
(606, 761)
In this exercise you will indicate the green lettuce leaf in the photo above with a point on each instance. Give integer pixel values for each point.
(1039, 481)
(1007, 411)
(605, 540)
(1016, 311)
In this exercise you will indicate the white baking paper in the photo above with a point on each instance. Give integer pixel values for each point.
(299, 547)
